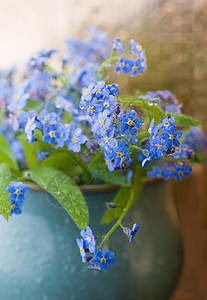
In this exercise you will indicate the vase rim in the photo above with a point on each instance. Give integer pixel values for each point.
(88, 189)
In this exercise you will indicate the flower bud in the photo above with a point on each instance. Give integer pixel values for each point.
(190, 153)
(170, 150)
(110, 205)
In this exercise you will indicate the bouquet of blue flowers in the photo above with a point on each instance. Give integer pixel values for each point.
(64, 124)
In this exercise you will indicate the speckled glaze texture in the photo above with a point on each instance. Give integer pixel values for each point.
(39, 258)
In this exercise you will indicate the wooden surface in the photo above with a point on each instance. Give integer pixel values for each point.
(191, 199)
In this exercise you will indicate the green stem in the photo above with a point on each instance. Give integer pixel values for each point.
(133, 146)
(80, 163)
(136, 147)
(128, 142)
(63, 81)
(123, 227)
(105, 63)
(99, 236)
(118, 222)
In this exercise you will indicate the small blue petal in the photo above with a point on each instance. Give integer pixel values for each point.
(111, 262)
(103, 266)
(109, 254)
(95, 261)
(99, 254)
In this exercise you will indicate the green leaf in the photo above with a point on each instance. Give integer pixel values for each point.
(121, 199)
(97, 156)
(99, 170)
(6, 156)
(184, 120)
(34, 105)
(30, 151)
(141, 136)
(5, 178)
(62, 187)
(153, 108)
(62, 161)
(38, 135)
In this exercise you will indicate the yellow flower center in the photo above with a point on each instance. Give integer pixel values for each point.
(97, 91)
(87, 92)
(159, 146)
(16, 98)
(180, 173)
(88, 239)
(102, 122)
(134, 68)
(18, 192)
(159, 175)
(178, 148)
(91, 108)
(106, 104)
(107, 163)
(171, 137)
(47, 118)
(119, 154)
(131, 123)
(28, 125)
(74, 139)
(13, 206)
(52, 133)
(103, 260)
(139, 48)
(106, 140)
(121, 65)
(166, 124)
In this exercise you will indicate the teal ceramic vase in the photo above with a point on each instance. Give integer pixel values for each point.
(39, 257)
